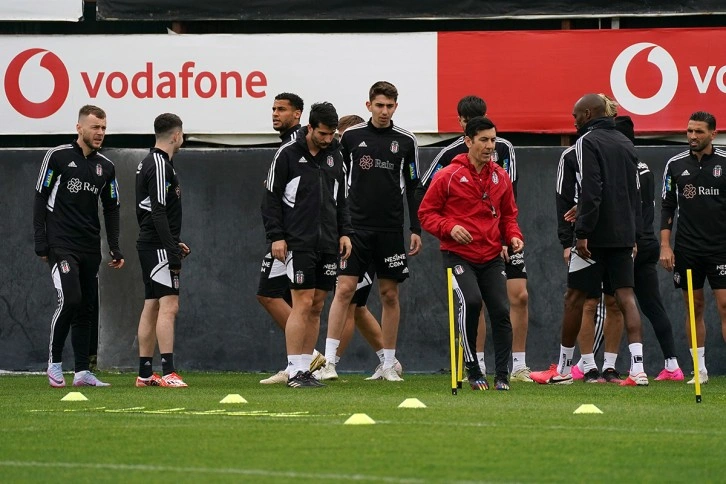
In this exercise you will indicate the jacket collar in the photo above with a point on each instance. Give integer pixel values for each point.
(380, 130)
(604, 122)
(78, 148)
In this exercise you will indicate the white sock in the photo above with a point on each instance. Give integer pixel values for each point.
(636, 358)
(389, 358)
(588, 362)
(701, 359)
(331, 348)
(610, 359)
(518, 361)
(292, 365)
(671, 364)
(482, 363)
(306, 361)
(580, 365)
(380, 355)
(337, 359)
(565, 364)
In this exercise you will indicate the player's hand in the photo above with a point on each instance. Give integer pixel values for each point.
(667, 258)
(44, 258)
(566, 255)
(461, 235)
(345, 247)
(581, 249)
(571, 214)
(635, 250)
(517, 244)
(185, 250)
(416, 244)
(504, 254)
(117, 259)
(279, 250)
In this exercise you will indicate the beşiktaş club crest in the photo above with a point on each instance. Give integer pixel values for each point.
(330, 161)
(495, 178)
(717, 171)
(65, 267)
(99, 169)
(394, 146)
(458, 270)
(175, 282)
(299, 277)
(343, 264)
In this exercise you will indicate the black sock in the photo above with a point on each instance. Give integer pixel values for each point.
(167, 363)
(145, 368)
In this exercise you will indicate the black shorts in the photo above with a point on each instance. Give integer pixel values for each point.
(613, 263)
(311, 270)
(382, 250)
(273, 278)
(363, 289)
(158, 279)
(712, 267)
(515, 268)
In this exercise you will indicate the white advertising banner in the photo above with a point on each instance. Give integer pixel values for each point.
(217, 84)
(59, 10)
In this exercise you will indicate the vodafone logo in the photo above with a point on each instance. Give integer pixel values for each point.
(61, 84)
(669, 79)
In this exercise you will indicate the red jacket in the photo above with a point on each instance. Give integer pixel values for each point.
(482, 203)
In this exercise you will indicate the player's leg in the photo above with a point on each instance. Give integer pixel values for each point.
(685, 261)
(493, 289)
(519, 315)
(613, 326)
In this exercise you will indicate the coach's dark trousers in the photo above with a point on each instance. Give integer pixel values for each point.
(472, 284)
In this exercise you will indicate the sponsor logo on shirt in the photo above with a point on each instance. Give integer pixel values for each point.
(362, 145)
(464, 179)
(74, 185)
(114, 188)
(668, 183)
(690, 191)
(302, 160)
(366, 162)
(685, 173)
(72, 164)
(412, 170)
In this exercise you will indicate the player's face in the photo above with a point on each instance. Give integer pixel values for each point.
(699, 136)
(581, 116)
(91, 131)
(481, 146)
(381, 109)
(178, 140)
(284, 115)
(321, 136)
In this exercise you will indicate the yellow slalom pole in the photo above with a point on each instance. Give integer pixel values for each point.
(694, 344)
(452, 337)
(460, 371)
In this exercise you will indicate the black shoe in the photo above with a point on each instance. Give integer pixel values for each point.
(300, 380)
(501, 383)
(312, 379)
(611, 376)
(593, 376)
(477, 380)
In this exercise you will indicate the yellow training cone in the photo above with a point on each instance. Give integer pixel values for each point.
(233, 398)
(359, 419)
(587, 408)
(74, 397)
(412, 403)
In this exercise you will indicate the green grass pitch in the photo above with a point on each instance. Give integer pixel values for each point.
(529, 434)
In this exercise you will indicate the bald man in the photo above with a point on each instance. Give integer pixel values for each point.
(608, 223)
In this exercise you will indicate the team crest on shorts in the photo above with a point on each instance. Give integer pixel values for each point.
(178, 191)
(65, 267)
(394, 146)
(343, 264)
(495, 178)
(175, 282)
(99, 169)
(458, 270)
(676, 277)
(717, 171)
(331, 162)
(299, 277)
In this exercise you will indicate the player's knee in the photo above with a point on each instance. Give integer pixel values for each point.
(574, 300)
(389, 297)
(169, 306)
(520, 299)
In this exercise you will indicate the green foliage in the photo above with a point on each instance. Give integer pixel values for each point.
(128, 434)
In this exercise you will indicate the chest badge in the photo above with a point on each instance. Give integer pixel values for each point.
(495, 178)
(394, 146)
(331, 162)
(99, 169)
(717, 171)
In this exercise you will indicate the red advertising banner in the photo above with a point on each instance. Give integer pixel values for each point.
(531, 79)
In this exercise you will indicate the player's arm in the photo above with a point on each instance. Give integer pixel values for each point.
(565, 196)
(508, 226)
(156, 178)
(111, 214)
(588, 207)
(345, 228)
(47, 179)
(412, 179)
(277, 178)
(669, 204)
